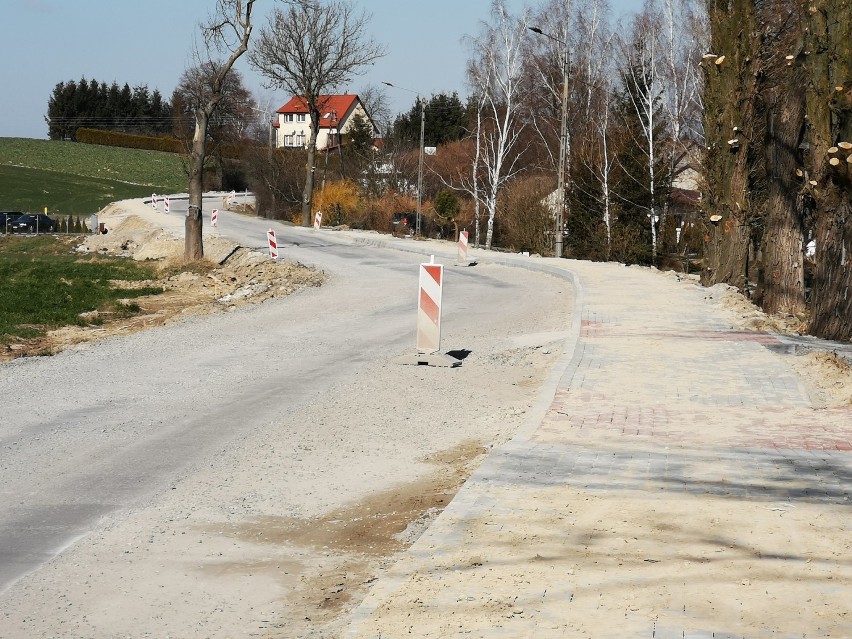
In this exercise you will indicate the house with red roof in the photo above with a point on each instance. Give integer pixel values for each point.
(293, 121)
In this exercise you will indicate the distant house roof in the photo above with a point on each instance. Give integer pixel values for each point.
(333, 108)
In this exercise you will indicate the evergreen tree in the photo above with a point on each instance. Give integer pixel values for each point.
(359, 145)
(91, 104)
(57, 108)
(445, 121)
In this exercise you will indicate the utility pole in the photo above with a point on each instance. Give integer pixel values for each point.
(420, 167)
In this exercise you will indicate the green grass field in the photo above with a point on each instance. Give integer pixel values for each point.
(72, 178)
(44, 284)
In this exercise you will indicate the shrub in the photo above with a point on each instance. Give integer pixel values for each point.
(524, 221)
(377, 213)
(338, 200)
(129, 141)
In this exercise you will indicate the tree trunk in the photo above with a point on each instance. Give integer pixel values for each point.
(193, 245)
(781, 280)
(310, 171)
(828, 60)
(731, 89)
(489, 233)
(726, 249)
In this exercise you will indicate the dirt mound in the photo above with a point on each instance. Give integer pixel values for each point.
(829, 378)
(230, 276)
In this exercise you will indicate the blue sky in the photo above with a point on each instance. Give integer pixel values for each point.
(48, 41)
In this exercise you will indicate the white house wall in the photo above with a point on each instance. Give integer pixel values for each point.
(301, 130)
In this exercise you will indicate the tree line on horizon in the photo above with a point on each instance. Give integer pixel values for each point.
(96, 105)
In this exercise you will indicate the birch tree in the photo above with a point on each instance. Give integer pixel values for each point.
(495, 71)
(594, 73)
(683, 41)
(310, 49)
(599, 159)
(643, 92)
(546, 55)
(228, 30)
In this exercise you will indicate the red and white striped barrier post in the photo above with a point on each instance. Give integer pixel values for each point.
(273, 245)
(166, 204)
(154, 201)
(429, 320)
(463, 247)
(214, 217)
(317, 220)
(429, 307)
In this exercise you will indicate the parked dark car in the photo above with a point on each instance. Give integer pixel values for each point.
(6, 219)
(33, 223)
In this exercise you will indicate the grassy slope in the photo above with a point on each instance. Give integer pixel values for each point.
(44, 285)
(76, 178)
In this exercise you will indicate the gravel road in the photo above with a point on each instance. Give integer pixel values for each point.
(250, 473)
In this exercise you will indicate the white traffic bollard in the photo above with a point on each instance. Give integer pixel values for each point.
(429, 307)
(214, 217)
(273, 244)
(429, 320)
(463, 247)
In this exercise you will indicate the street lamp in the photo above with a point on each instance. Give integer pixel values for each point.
(563, 141)
(420, 162)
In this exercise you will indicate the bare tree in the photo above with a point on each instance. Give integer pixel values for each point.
(598, 156)
(229, 124)
(641, 75)
(375, 101)
(682, 43)
(545, 57)
(584, 27)
(229, 29)
(309, 49)
(495, 73)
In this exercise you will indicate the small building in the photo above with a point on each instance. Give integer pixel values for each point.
(292, 125)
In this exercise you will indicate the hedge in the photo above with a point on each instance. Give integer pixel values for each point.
(128, 140)
(146, 142)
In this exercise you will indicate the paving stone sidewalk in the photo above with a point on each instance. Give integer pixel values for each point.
(674, 481)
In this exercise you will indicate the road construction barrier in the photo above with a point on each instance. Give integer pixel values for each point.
(214, 217)
(318, 220)
(154, 201)
(463, 247)
(166, 205)
(429, 307)
(273, 244)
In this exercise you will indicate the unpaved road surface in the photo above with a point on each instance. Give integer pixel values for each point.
(252, 472)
